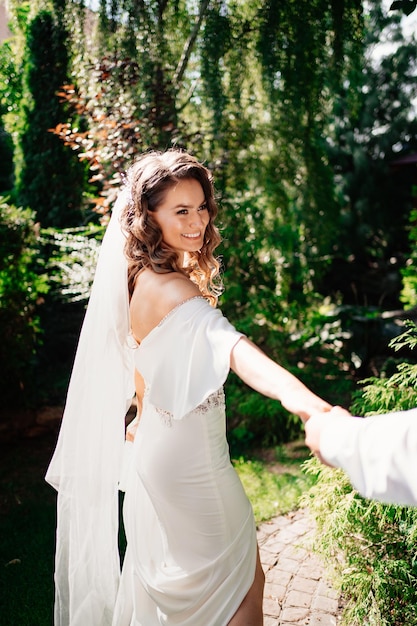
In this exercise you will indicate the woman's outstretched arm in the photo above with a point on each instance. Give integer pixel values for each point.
(261, 373)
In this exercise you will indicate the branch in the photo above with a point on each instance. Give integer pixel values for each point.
(186, 53)
(188, 97)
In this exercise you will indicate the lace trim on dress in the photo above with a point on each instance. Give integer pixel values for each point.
(214, 400)
(177, 306)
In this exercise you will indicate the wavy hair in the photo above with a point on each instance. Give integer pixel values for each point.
(149, 178)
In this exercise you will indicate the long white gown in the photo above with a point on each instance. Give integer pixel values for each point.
(191, 538)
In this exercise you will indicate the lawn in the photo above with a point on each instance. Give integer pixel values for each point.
(27, 526)
(273, 479)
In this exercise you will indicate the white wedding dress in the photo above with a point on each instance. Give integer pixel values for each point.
(191, 538)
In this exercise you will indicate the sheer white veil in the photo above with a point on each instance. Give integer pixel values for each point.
(86, 464)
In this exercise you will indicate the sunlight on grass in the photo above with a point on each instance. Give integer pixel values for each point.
(274, 486)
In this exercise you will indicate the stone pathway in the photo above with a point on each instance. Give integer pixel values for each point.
(296, 589)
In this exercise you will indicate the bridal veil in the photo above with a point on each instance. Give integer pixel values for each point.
(86, 464)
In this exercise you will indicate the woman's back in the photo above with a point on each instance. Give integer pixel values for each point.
(154, 296)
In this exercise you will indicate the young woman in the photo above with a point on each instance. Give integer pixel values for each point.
(192, 556)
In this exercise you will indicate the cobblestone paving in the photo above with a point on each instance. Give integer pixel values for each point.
(297, 591)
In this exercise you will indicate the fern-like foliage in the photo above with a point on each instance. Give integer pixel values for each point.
(371, 547)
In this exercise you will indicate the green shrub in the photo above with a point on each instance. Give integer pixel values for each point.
(372, 547)
(72, 259)
(312, 348)
(409, 274)
(22, 286)
(71, 256)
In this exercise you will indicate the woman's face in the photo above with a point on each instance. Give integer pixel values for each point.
(183, 216)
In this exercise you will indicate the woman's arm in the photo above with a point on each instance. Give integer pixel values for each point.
(261, 373)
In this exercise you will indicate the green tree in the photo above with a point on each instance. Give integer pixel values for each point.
(9, 96)
(374, 125)
(6, 159)
(50, 178)
(22, 286)
(267, 83)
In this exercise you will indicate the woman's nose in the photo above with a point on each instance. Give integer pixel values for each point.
(196, 219)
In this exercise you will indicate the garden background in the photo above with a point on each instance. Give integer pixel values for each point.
(306, 113)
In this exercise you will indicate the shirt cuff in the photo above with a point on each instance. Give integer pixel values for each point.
(337, 440)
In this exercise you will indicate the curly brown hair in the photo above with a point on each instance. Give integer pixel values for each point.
(148, 180)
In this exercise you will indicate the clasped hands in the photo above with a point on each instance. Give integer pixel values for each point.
(315, 425)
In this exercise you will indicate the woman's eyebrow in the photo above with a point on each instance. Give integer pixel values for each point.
(183, 205)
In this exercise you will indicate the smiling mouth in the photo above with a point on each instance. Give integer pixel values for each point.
(195, 236)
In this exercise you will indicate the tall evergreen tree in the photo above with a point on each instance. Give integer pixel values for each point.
(51, 178)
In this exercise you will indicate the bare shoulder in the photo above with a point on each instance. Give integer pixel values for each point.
(166, 290)
(155, 295)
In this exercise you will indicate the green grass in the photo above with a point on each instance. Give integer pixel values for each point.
(27, 544)
(27, 534)
(275, 482)
(272, 479)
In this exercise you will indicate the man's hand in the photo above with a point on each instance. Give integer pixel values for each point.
(315, 425)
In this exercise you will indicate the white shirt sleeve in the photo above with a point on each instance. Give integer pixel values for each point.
(378, 453)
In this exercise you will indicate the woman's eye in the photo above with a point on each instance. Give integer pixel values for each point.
(182, 212)
(203, 207)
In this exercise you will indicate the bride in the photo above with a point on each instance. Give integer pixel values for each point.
(152, 328)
